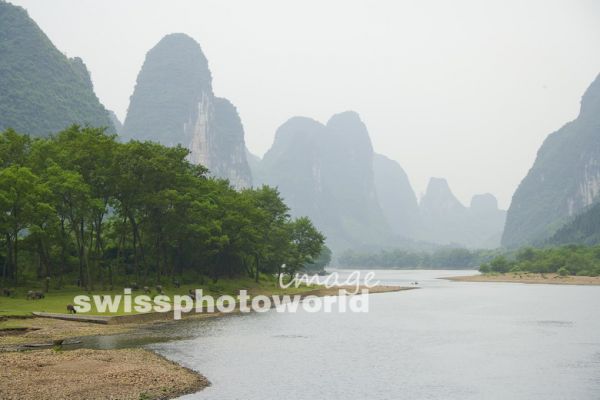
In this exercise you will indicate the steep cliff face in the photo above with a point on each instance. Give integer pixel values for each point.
(116, 122)
(326, 173)
(445, 220)
(254, 162)
(173, 103)
(564, 180)
(41, 90)
(396, 197)
(228, 156)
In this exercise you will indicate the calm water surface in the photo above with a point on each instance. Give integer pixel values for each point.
(446, 340)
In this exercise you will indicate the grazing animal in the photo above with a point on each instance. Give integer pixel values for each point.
(71, 309)
(146, 290)
(159, 289)
(34, 295)
(7, 292)
(177, 284)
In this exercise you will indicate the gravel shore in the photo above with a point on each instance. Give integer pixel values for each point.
(94, 374)
(97, 374)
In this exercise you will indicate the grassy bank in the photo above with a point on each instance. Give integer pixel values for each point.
(55, 301)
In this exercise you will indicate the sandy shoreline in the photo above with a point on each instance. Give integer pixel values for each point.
(98, 374)
(529, 278)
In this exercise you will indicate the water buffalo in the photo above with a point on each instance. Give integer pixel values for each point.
(34, 295)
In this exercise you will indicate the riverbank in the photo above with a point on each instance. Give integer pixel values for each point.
(94, 374)
(530, 278)
(19, 332)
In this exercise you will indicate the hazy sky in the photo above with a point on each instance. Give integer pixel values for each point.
(465, 90)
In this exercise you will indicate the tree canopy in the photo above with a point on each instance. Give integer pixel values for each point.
(81, 207)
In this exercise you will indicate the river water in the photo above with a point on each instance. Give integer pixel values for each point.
(446, 340)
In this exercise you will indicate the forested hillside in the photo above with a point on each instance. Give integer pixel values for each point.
(582, 229)
(41, 90)
(564, 180)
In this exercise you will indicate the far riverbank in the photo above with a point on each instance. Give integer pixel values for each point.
(530, 278)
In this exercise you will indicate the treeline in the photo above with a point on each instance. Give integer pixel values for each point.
(81, 207)
(565, 260)
(451, 258)
(584, 228)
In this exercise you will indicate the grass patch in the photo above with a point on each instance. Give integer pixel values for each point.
(56, 301)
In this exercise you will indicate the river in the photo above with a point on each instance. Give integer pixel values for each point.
(446, 340)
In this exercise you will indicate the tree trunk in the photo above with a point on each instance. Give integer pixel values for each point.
(257, 268)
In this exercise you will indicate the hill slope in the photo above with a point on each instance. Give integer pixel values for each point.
(173, 103)
(41, 90)
(564, 180)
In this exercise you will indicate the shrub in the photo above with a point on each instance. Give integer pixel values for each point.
(500, 264)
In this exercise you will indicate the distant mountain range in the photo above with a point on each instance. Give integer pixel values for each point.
(325, 172)
(363, 200)
(328, 172)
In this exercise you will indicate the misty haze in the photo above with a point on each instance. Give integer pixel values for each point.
(436, 162)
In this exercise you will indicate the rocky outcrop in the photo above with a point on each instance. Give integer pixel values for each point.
(396, 197)
(227, 151)
(254, 162)
(564, 180)
(445, 220)
(325, 172)
(173, 103)
(486, 221)
(41, 90)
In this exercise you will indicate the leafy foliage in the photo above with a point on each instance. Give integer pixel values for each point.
(82, 207)
(584, 228)
(453, 258)
(565, 260)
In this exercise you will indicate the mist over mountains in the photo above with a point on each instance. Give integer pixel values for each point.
(328, 171)
(364, 200)
(563, 182)
(325, 172)
(173, 103)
